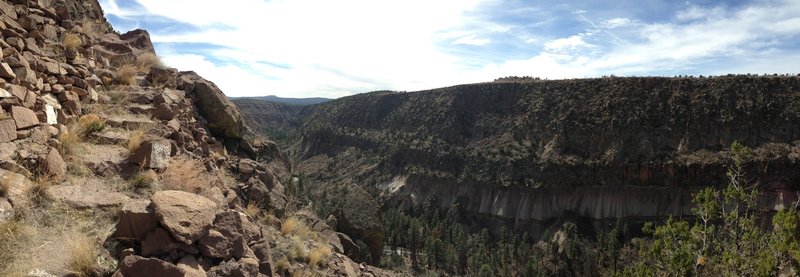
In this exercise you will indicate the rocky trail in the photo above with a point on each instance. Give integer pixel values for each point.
(112, 164)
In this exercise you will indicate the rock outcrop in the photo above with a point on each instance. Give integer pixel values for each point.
(224, 118)
(525, 153)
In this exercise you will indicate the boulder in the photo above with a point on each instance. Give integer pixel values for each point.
(17, 187)
(263, 252)
(6, 72)
(134, 266)
(87, 196)
(191, 268)
(24, 117)
(8, 130)
(153, 153)
(4, 93)
(159, 241)
(55, 166)
(245, 267)
(224, 118)
(136, 219)
(50, 114)
(186, 215)
(229, 236)
(360, 220)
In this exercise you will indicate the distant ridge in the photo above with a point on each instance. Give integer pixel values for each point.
(290, 101)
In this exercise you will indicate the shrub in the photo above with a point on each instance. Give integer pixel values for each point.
(135, 140)
(147, 60)
(144, 180)
(90, 124)
(296, 227)
(186, 174)
(71, 41)
(82, 262)
(319, 255)
(126, 74)
(252, 210)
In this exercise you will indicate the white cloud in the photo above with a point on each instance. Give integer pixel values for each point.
(472, 39)
(351, 46)
(617, 23)
(566, 44)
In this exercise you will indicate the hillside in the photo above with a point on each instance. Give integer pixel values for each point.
(113, 164)
(529, 155)
(276, 120)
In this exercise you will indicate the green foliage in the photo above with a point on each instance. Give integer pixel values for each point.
(725, 239)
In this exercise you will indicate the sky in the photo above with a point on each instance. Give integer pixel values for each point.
(324, 48)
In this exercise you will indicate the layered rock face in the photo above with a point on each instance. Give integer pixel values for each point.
(530, 152)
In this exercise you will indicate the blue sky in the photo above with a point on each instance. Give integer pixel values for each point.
(323, 48)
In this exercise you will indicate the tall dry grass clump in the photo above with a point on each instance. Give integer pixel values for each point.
(147, 60)
(319, 255)
(89, 124)
(71, 41)
(82, 261)
(136, 139)
(186, 174)
(126, 74)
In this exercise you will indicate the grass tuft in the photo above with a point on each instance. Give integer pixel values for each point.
(89, 124)
(147, 60)
(126, 74)
(295, 227)
(319, 255)
(82, 261)
(71, 41)
(136, 139)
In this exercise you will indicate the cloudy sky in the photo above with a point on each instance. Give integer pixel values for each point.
(324, 48)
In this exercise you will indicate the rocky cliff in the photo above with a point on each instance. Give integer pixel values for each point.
(528, 153)
(112, 163)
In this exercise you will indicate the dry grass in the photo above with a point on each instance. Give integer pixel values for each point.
(107, 81)
(135, 140)
(126, 74)
(71, 41)
(144, 180)
(186, 174)
(14, 237)
(89, 124)
(147, 60)
(319, 255)
(295, 227)
(91, 27)
(298, 249)
(38, 192)
(252, 210)
(82, 260)
(282, 264)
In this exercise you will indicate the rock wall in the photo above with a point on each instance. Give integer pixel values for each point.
(535, 151)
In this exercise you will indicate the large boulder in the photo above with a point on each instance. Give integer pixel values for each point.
(8, 130)
(16, 187)
(229, 236)
(224, 118)
(153, 153)
(136, 220)
(358, 218)
(186, 215)
(133, 266)
(24, 117)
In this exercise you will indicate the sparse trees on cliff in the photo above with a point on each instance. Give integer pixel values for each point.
(725, 239)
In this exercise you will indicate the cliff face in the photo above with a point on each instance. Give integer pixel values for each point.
(529, 153)
(276, 120)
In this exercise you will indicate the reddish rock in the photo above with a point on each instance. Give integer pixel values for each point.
(24, 117)
(55, 166)
(186, 215)
(6, 72)
(8, 130)
(153, 154)
(136, 219)
(134, 266)
(159, 241)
